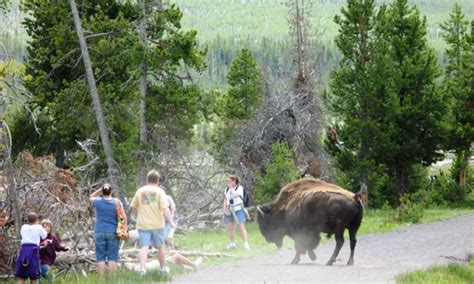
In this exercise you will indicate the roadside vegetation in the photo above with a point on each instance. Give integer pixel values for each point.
(452, 273)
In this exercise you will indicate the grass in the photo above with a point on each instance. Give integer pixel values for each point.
(215, 241)
(452, 273)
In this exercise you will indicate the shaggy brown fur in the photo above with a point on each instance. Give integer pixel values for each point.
(292, 194)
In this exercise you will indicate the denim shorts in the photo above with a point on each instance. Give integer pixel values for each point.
(106, 246)
(240, 215)
(154, 237)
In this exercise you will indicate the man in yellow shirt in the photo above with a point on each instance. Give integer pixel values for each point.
(151, 208)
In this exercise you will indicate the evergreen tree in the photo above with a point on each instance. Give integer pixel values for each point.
(245, 87)
(385, 92)
(354, 97)
(459, 86)
(60, 98)
(236, 106)
(279, 171)
(414, 110)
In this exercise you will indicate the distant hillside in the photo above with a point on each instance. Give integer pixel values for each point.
(267, 18)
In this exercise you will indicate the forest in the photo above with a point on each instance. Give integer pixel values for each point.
(370, 95)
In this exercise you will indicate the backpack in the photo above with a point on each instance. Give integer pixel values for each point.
(245, 198)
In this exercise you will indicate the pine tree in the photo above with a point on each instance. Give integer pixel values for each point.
(385, 93)
(415, 109)
(245, 87)
(459, 87)
(353, 93)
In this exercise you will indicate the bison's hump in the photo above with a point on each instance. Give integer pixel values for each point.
(298, 190)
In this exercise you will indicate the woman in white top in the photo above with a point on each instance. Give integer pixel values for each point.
(234, 210)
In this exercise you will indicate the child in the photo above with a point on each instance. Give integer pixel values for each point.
(28, 261)
(49, 246)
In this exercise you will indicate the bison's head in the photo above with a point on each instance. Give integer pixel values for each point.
(272, 225)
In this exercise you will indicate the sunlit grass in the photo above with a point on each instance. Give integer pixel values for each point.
(452, 273)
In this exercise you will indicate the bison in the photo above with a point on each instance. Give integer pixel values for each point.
(307, 207)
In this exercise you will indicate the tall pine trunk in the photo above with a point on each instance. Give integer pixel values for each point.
(143, 91)
(103, 131)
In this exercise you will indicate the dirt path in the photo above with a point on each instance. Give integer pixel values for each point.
(378, 257)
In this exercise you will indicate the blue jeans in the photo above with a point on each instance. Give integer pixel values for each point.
(44, 268)
(106, 246)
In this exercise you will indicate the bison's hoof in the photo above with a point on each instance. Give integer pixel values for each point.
(330, 262)
(311, 255)
(295, 261)
(350, 262)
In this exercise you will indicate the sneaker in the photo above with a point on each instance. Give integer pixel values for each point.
(231, 246)
(246, 245)
(198, 262)
(165, 270)
(142, 272)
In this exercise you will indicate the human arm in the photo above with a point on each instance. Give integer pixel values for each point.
(172, 207)
(120, 210)
(58, 246)
(169, 217)
(94, 195)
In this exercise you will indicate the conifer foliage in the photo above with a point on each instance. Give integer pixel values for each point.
(391, 111)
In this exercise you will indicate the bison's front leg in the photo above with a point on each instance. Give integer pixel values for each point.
(300, 249)
(313, 245)
(296, 259)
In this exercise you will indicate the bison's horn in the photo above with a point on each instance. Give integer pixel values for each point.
(260, 210)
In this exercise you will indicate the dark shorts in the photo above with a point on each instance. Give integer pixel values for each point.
(28, 262)
(106, 246)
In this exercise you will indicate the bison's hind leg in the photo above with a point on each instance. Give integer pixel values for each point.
(339, 232)
(352, 236)
(312, 255)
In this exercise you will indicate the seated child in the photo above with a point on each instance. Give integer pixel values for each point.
(28, 261)
(48, 248)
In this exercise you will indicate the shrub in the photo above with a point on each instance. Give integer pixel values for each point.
(278, 172)
(408, 211)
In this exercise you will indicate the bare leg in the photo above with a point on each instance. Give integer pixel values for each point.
(32, 281)
(101, 268)
(112, 267)
(243, 231)
(162, 256)
(143, 257)
(181, 260)
(230, 231)
(21, 280)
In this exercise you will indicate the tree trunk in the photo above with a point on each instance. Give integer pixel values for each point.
(143, 91)
(103, 131)
(11, 189)
(400, 175)
(300, 35)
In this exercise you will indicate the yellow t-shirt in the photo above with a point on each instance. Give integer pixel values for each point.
(150, 201)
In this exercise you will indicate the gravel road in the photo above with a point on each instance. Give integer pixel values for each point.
(378, 258)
